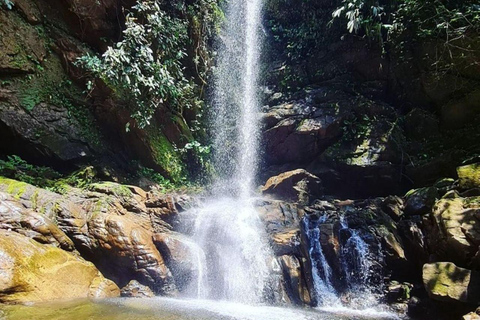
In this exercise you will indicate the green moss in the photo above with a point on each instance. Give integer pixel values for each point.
(13, 187)
(111, 188)
(166, 156)
(34, 199)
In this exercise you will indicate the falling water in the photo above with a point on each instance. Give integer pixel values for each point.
(235, 101)
(357, 261)
(227, 226)
(324, 292)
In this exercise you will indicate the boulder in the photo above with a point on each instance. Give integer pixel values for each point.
(453, 232)
(367, 160)
(123, 249)
(34, 272)
(444, 281)
(420, 124)
(297, 131)
(108, 224)
(420, 201)
(134, 289)
(393, 206)
(295, 186)
(286, 242)
(472, 316)
(469, 176)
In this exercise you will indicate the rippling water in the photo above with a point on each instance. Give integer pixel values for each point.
(177, 309)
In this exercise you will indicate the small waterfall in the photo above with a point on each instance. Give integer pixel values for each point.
(358, 260)
(324, 292)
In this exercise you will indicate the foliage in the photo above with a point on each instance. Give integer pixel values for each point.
(144, 68)
(156, 177)
(455, 24)
(16, 168)
(147, 68)
(369, 16)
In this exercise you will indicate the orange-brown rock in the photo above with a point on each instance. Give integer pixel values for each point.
(34, 272)
(296, 186)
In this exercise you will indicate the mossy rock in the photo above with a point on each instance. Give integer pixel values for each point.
(111, 188)
(35, 272)
(469, 176)
(444, 281)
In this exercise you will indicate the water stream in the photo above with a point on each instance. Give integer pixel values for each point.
(227, 226)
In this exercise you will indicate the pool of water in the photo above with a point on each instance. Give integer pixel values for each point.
(176, 309)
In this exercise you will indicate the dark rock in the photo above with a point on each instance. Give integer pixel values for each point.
(420, 124)
(420, 201)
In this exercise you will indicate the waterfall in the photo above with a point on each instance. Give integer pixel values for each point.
(227, 227)
(354, 287)
(324, 293)
(235, 99)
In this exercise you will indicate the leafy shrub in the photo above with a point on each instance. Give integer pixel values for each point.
(17, 168)
(145, 69)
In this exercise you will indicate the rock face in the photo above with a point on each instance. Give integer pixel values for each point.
(46, 116)
(109, 224)
(35, 272)
(295, 186)
(445, 281)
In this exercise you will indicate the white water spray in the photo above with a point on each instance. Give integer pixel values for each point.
(227, 226)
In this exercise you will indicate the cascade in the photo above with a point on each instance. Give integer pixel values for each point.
(358, 264)
(234, 264)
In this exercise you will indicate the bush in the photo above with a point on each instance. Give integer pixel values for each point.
(145, 69)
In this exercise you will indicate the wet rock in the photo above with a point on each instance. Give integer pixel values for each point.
(287, 242)
(181, 255)
(420, 201)
(123, 249)
(279, 216)
(469, 176)
(295, 281)
(134, 289)
(35, 272)
(296, 186)
(444, 281)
